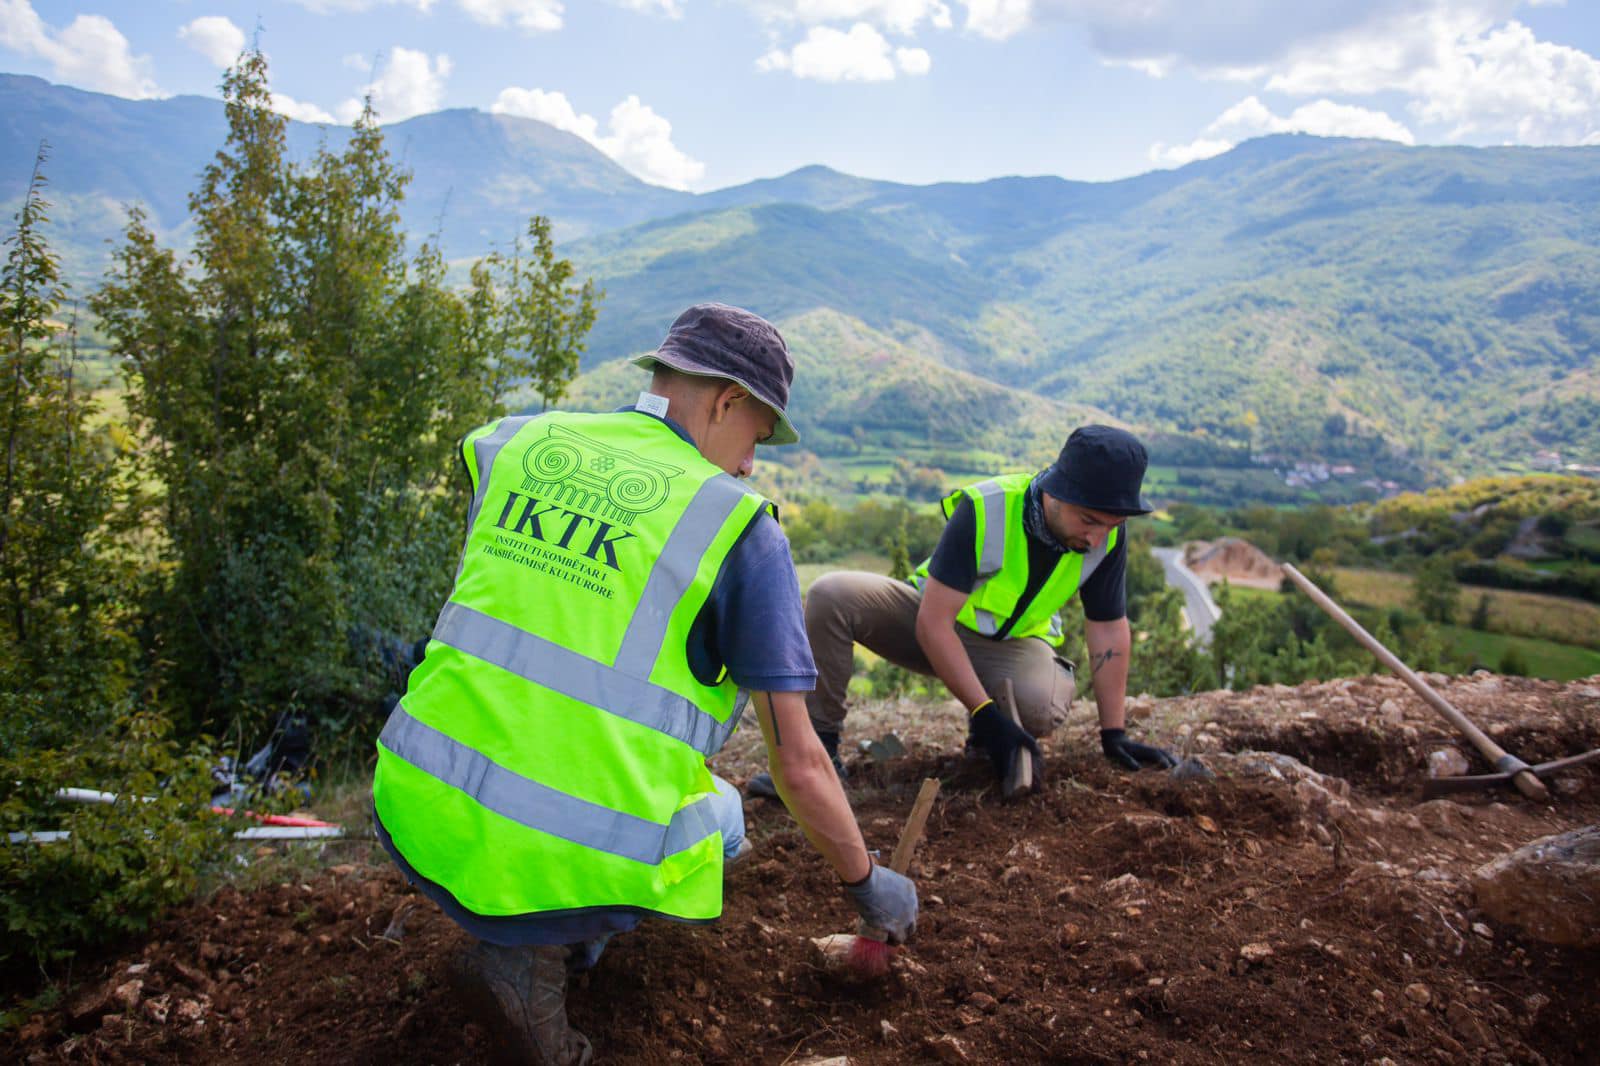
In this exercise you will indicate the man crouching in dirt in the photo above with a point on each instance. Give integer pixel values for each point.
(983, 608)
(544, 779)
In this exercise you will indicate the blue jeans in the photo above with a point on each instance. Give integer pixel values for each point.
(729, 808)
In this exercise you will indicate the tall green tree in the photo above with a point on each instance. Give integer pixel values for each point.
(64, 663)
(530, 317)
(302, 382)
(1436, 593)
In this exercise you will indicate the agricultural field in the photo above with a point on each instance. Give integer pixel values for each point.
(1523, 614)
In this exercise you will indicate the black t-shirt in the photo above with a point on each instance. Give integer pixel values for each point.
(955, 563)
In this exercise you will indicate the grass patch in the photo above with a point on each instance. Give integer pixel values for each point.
(871, 562)
(1544, 658)
(1548, 659)
(1251, 595)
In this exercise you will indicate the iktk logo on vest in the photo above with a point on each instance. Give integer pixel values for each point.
(578, 491)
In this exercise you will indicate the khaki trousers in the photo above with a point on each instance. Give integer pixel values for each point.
(847, 607)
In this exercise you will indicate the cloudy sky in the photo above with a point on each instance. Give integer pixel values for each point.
(700, 94)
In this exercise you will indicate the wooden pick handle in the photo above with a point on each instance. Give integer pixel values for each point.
(1522, 775)
(1021, 777)
(911, 835)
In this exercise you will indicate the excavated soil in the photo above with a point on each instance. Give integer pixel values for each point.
(1236, 561)
(1111, 918)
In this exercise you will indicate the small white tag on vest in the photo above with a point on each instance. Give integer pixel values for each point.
(651, 404)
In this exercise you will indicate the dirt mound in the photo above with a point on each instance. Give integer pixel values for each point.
(1239, 561)
(1299, 906)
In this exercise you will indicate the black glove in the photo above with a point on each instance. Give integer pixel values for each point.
(1002, 738)
(1132, 755)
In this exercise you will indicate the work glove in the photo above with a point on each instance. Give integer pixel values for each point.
(886, 901)
(1132, 755)
(1002, 738)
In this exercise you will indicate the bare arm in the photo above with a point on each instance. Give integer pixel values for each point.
(1109, 644)
(804, 777)
(936, 634)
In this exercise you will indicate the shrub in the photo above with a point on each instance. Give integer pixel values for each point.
(123, 862)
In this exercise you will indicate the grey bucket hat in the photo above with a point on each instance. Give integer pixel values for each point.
(719, 341)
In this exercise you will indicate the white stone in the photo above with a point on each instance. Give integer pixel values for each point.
(1447, 762)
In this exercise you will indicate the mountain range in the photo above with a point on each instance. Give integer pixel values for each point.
(1297, 298)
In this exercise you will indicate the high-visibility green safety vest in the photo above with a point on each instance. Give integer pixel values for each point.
(549, 753)
(994, 608)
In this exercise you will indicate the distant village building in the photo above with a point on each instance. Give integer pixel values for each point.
(1546, 460)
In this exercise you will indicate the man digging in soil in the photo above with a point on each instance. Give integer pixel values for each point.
(544, 778)
(983, 608)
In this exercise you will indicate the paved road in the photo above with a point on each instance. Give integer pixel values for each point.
(1199, 607)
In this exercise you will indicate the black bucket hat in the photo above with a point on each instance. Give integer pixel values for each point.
(1101, 468)
(719, 341)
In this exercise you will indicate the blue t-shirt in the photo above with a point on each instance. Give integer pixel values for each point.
(754, 626)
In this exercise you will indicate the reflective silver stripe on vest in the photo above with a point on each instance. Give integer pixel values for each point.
(548, 810)
(993, 554)
(674, 570)
(486, 448)
(1092, 561)
(580, 677)
(988, 623)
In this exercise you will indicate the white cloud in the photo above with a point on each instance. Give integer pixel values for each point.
(1251, 118)
(410, 84)
(913, 60)
(1212, 34)
(999, 19)
(901, 17)
(1473, 77)
(1177, 155)
(550, 107)
(214, 37)
(1467, 67)
(1508, 81)
(828, 54)
(534, 16)
(91, 52)
(672, 9)
(331, 7)
(357, 61)
(639, 139)
(300, 111)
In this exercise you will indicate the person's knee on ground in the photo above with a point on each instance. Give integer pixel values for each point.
(1042, 705)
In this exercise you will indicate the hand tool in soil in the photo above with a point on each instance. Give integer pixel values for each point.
(1023, 775)
(870, 953)
(1510, 769)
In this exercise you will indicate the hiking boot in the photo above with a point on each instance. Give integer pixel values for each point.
(519, 997)
(761, 784)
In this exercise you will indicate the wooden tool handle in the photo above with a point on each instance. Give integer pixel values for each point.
(1020, 779)
(1524, 778)
(911, 835)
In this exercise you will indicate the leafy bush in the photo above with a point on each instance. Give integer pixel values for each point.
(123, 862)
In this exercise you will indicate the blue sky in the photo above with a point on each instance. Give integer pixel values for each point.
(700, 94)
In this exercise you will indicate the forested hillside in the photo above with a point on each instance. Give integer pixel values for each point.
(1412, 314)
(1298, 297)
